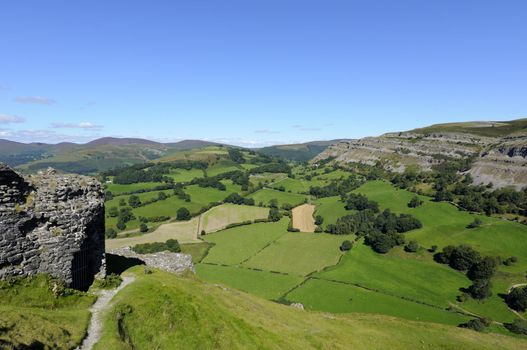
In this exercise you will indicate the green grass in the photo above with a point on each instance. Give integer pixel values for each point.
(299, 253)
(220, 216)
(262, 283)
(30, 314)
(265, 195)
(399, 274)
(330, 208)
(170, 312)
(232, 246)
(294, 185)
(337, 297)
(118, 189)
(197, 250)
(183, 175)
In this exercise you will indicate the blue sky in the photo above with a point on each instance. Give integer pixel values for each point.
(256, 72)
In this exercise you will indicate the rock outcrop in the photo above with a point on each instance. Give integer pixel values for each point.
(170, 262)
(500, 160)
(51, 223)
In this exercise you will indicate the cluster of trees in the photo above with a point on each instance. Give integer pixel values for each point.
(236, 155)
(275, 167)
(213, 182)
(125, 214)
(360, 202)
(171, 245)
(183, 214)
(382, 231)
(336, 188)
(479, 269)
(235, 198)
(415, 202)
(274, 214)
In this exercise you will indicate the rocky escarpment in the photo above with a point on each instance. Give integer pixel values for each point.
(53, 224)
(500, 160)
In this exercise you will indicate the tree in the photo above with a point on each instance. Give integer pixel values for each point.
(480, 289)
(483, 269)
(236, 155)
(134, 201)
(346, 245)
(273, 203)
(411, 247)
(274, 214)
(122, 202)
(517, 299)
(319, 220)
(143, 228)
(183, 214)
(111, 233)
(113, 212)
(287, 206)
(415, 202)
(108, 195)
(161, 196)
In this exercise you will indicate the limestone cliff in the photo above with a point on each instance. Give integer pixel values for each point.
(500, 150)
(51, 223)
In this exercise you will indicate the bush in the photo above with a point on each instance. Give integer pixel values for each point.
(319, 220)
(143, 228)
(113, 212)
(460, 258)
(517, 299)
(121, 225)
(518, 326)
(510, 261)
(476, 223)
(183, 214)
(111, 281)
(274, 215)
(483, 269)
(236, 224)
(433, 249)
(415, 202)
(170, 245)
(475, 324)
(134, 201)
(346, 245)
(411, 247)
(110, 233)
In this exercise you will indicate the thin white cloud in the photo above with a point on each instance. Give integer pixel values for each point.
(45, 136)
(39, 100)
(266, 131)
(7, 119)
(82, 125)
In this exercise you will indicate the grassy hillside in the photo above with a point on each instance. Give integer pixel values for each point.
(490, 129)
(300, 152)
(162, 311)
(32, 316)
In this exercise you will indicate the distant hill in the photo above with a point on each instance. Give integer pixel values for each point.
(300, 152)
(97, 155)
(499, 149)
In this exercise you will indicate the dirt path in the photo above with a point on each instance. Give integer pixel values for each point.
(97, 310)
(303, 218)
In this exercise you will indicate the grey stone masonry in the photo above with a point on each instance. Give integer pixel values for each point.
(51, 223)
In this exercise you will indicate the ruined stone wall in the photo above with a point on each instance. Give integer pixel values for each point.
(51, 223)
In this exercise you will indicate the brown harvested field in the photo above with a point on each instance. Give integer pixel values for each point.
(303, 218)
(183, 231)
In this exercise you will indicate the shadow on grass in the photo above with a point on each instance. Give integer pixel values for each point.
(117, 264)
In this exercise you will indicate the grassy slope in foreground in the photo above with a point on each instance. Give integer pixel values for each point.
(170, 312)
(31, 315)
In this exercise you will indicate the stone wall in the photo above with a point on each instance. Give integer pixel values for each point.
(51, 223)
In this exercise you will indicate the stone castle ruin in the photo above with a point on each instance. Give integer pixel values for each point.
(51, 223)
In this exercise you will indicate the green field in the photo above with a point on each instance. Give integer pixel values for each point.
(233, 246)
(219, 217)
(118, 189)
(299, 253)
(262, 283)
(399, 275)
(331, 208)
(322, 295)
(266, 194)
